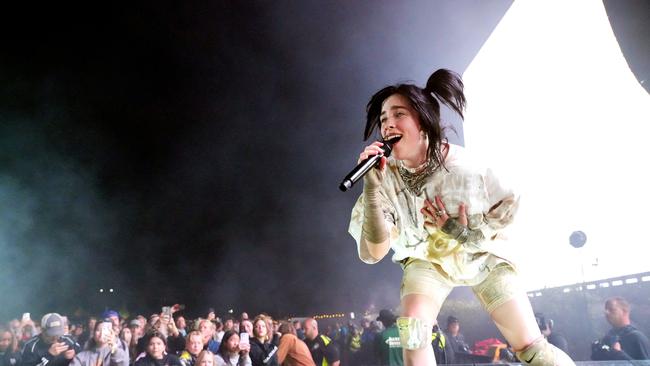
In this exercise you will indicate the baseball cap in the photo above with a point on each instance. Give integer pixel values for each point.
(135, 322)
(386, 315)
(53, 324)
(109, 314)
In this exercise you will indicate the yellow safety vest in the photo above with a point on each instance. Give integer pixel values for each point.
(326, 341)
(435, 335)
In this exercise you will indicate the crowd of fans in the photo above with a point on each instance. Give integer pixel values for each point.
(169, 339)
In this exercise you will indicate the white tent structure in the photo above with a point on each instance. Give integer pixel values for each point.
(554, 107)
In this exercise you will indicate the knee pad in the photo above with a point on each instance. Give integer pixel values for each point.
(414, 333)
(542, 353)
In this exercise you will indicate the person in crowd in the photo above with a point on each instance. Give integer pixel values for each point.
(137, 331)
(231, 352)
(228, 324)
(114, 317)
(442, 215)
(243, 316)
(454, 337)
(137, 328)
(66, 326)
(181, 325)
(262, 350)
(353, 345)
(77, 332)
(153, 319)
(102, 349)
(15, 327)
(9, 351)
(127, 338)
(167, 327)
(623, 341)
(322, 349)
(28, 331)
(554, 338)
(211, 315)
(292, 351)
(193, 347)
(218, 331)
(207, 330)
(300, 333)
(246, 326)
(388, 349)
(156, 354)
(52, 347)
(274, 329)
(366, 355)
(205, 358)
(442, 350)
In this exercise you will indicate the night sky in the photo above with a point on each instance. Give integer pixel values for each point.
(191, 153)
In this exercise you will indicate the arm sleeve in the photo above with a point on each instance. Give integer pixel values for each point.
(76, 361)
(356, 225)
(639, 348)
(256, 354)
(245, 361)
(332, 352)
(119, 358)
(283, 349)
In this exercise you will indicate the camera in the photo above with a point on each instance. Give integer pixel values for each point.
(67, 341)
(602, 349)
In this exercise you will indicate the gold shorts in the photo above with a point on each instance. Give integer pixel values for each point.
(422, 277)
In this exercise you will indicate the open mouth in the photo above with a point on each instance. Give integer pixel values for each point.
(392, 139)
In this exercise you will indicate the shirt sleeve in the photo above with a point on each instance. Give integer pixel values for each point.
(283, 349)
(503, 206)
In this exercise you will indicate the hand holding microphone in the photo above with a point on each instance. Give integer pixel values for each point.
(373, 155)
(373, 177)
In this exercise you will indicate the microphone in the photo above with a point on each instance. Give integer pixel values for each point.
(365, 166)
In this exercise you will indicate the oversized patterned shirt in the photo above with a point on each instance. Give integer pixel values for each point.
(489, 204)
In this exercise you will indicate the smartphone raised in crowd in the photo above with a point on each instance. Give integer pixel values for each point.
(167, 310)
(105, 330)
(243, 338)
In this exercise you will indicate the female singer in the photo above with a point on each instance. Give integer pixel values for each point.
(442, 216)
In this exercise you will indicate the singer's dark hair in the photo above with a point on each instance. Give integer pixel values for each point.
(443, 86)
